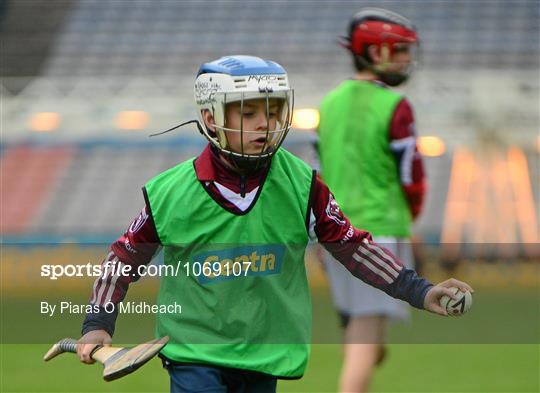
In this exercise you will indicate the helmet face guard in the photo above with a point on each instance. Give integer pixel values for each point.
(278, 123)
(391, 71)
(216, 92)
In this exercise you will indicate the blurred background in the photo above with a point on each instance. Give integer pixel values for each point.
(84, 82)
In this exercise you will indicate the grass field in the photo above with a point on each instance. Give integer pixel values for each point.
(493, 349)
(410, 368)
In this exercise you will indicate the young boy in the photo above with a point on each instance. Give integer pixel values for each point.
(245, 209)
(368, 156)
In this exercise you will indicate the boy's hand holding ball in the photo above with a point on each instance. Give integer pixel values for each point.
(450, 297)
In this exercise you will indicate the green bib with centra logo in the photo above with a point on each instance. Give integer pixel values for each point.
(240, 278)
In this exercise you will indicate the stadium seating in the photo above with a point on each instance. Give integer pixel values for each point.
(137, 38)
(479, 77)
(29, 178)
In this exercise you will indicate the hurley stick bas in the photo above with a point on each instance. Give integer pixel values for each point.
(117, 361)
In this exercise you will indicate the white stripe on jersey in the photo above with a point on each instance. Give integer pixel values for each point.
(112, 285)
(98, 280)
(104, 280)
(408, 146)
(376, 260)
(385, 256)
(373, 268)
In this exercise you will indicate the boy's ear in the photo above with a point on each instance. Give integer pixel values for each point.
(208, 120)
(374, 54)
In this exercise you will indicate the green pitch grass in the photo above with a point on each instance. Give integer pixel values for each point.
(433, 354)
(410, 368)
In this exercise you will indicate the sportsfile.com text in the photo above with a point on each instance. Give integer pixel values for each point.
(109, 268)
(209, 270)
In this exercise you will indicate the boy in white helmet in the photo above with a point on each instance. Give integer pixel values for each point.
(244, 208)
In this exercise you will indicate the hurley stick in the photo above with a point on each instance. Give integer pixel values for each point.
(117, 361)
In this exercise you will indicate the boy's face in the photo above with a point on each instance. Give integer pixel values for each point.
(251, 128)
(397, 62)
(401, 58)
(254, 120)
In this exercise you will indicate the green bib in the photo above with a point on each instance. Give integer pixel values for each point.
(242, 283)
(356, 160)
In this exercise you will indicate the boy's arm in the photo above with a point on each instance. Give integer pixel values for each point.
(403, 145)
(356, 250)
(135, 247)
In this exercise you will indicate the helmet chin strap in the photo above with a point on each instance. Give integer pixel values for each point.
(392, 78)
(244, 165)
(178, 126)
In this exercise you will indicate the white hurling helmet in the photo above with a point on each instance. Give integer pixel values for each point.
(238, 79)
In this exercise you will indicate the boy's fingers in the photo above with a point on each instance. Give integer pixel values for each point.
(464, 286)
(85, 351)
(448, 292)
(89, 342)
(436, 308)
(80, 350)
(445, 283)
(87, 359)
(452, 282)
(439, 310)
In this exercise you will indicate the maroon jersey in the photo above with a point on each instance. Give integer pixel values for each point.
(403, 145)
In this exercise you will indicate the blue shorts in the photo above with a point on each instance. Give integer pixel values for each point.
(193, 378)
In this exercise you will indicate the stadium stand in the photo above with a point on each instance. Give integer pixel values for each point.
(29, 177)
(28, 30)
(101, 190)
(139, 38)
(479, 77)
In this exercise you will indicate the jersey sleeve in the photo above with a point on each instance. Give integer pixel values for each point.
(403, 145)
(362, 257)
(136, 247)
